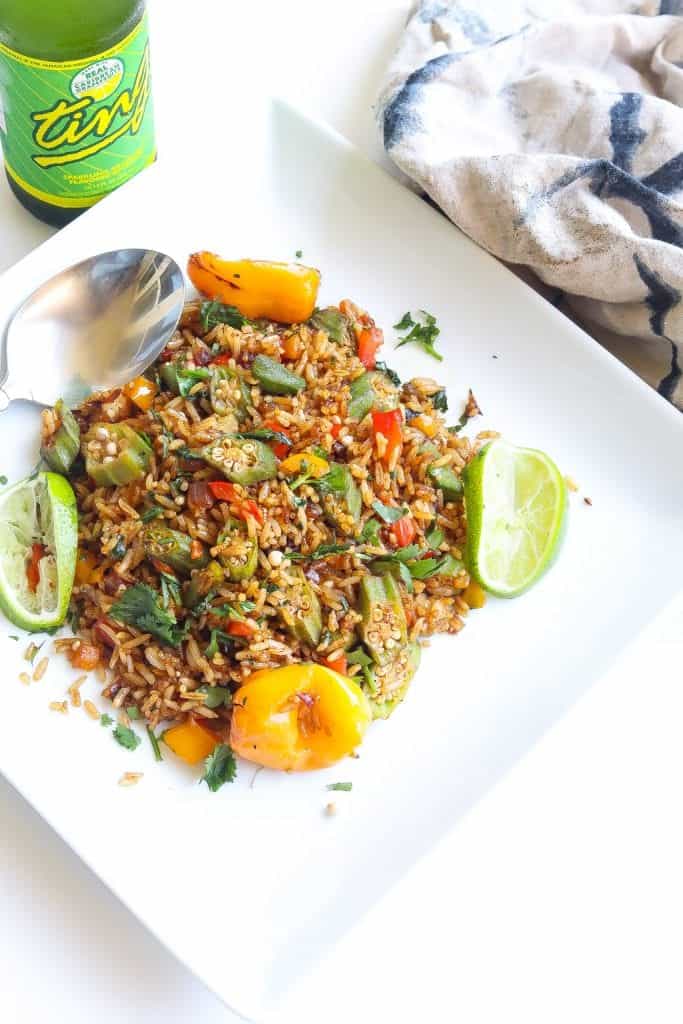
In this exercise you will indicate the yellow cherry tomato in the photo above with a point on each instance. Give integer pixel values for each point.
(190, 741)
(285, 292)
(298, 718)
(300, 461)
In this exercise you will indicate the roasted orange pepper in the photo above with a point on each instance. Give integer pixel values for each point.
(285, 292)
(298, 718)
(141, 391)
(190, 741)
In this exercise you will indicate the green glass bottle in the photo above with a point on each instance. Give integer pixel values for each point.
(75, 104)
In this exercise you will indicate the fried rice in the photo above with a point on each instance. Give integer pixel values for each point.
(292, 525)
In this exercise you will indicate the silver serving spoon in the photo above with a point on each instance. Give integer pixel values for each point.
(94, 326)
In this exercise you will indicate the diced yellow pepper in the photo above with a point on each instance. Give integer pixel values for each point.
(427, 424)
(474, 595)
(190, 741)
(305, 461)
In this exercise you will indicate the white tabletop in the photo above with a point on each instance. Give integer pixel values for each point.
(568, 874)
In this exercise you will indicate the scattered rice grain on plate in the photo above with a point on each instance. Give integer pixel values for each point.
(59, 705)
(91, 710)
(40, 669)
(24, 678)
(130, 778)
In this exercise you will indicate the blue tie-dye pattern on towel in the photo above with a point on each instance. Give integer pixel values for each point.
(513, 97)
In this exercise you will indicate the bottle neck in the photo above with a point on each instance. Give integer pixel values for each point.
(63, 30)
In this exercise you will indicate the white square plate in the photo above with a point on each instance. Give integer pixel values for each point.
(250, 886)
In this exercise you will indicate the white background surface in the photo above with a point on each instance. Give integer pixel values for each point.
(569, 873)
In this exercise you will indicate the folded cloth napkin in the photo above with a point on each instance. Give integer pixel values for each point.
(552, 134)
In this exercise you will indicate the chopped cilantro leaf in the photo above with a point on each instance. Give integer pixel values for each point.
(133, 712)
(388, 513)
(265, 434)
(298, 254)
(106, 721)
(422, 332)
(126, 737)
(219, 767)
(340, 787)
(3, 480)
(388, 372)
(216, 697)
(138, 606)
(440, 400)
(370, 533)
(435, 537)
(212, 313)
(323, 551)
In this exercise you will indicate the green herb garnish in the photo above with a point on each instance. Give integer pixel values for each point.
(3, 480)
(435, 537)
(358, 657)
(220, 767)
(133, 712)
(440, 400)
(151, 513)
(422, 333)
(158, 756)
(218, 638)
(265, 434)
(388, 513)
(370, 532)
(216, 697)
(126, 737)
(138, 606)
(388, 372)
(212, 313)
(340, 787)
(187, 378)
(106, 721)
(298, 254)
(170, 589)
(323, 551)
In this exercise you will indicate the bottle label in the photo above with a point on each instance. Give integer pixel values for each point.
(72, 131)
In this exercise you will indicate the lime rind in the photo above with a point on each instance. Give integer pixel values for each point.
(516, 502)
(41, 510)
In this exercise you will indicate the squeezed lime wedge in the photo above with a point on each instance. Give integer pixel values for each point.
(38, 511)
(516, 503)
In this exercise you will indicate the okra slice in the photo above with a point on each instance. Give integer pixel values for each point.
(228, 392)
(372, 390)
(60, 438)
(383, 627)
(173, 548)
(391, 681)
(115, 454)
(342, 503)
(202, 582)
(300, 611)
(236, 550)
(241, 460)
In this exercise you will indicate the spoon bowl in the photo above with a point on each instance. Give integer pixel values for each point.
(92, 327)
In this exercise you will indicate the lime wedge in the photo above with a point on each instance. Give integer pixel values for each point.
(40, 510)
(516, 503)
